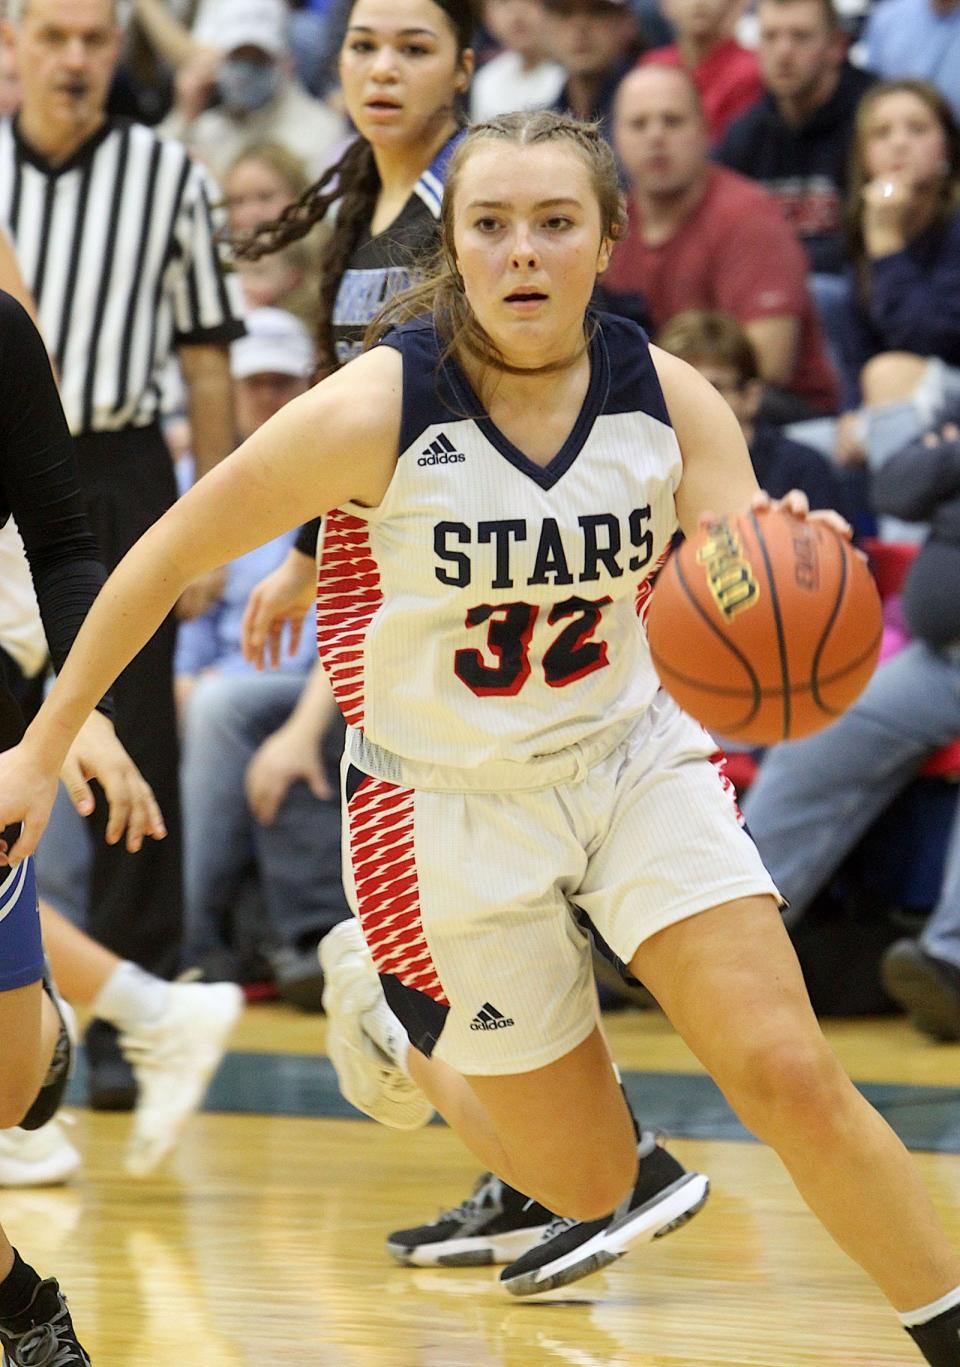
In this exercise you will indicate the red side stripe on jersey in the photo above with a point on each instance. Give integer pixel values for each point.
(719, 761)
(645, 589)
(388, 891)
(348, 596)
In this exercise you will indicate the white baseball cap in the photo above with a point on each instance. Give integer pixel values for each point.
(276, 343)
(230, 24)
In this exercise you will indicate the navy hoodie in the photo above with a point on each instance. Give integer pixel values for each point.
(804, 167)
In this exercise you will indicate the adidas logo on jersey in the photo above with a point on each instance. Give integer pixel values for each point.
(441, 452)
(489, 1018)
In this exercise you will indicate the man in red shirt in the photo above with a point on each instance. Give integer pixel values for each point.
(700, 236)
(726, 74)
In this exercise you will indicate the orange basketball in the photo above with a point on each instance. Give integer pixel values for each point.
(765, 627)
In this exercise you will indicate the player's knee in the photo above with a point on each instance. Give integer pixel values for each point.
(17, 1095)
(786, 1084)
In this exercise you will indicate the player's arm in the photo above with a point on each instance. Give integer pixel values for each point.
(293, 466)
(718, 478)
(717, 474)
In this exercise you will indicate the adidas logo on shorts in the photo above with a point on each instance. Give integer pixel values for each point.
(489, 1018)
(441, 452)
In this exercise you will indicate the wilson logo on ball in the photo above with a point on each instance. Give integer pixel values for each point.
(806, 566)
(733, 586)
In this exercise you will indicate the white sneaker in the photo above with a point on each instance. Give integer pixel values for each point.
(368, 1078)
(37, 1158)
(173, 1060)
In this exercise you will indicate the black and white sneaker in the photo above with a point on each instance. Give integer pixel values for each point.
(665, 1197)
(42, 1333)
(495, 1224)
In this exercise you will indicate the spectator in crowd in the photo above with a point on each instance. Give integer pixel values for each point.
(260, 182)
(286, 842)
(523, 75)
(726, 75)
(716, 345)
(900, 347)
(309, 29)
(700, 236)
(596, 42)
(258, 186)
(795, 141)
(134, 299)
(919, 38)
(260, 100)
(285, 280)
(815, 798)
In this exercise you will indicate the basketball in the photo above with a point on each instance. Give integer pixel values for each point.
(765, 627)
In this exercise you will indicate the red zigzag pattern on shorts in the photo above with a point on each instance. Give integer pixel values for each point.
(388, 893)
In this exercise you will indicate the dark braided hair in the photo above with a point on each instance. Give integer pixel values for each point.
(354, 183)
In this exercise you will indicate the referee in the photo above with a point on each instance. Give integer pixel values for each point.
(114, 233)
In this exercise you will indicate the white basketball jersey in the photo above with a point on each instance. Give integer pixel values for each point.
(490, 609)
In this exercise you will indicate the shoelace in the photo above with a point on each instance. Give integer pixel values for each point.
(556, 1226)
(43, 1347)
(482, 1194)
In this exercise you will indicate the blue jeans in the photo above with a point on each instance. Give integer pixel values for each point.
(813, 799)
(64, 861)
(888, 428)
(297, 859)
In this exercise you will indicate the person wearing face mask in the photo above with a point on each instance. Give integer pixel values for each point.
(253, 93)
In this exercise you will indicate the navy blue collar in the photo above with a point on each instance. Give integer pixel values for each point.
(595, 398)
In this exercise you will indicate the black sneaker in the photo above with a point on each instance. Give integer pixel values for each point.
(665, 1197)
(496, 1224)
(928, 989)
(50, 1096)
(42, 1335)
(110, 1081)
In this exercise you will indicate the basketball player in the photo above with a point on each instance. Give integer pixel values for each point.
(405, 67)
(513, 772)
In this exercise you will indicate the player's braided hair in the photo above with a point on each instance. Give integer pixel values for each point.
(441, 293)
(354, 184)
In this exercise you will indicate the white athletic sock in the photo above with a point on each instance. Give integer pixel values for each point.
(131, 997)
(387, 1033)
(910, 1319)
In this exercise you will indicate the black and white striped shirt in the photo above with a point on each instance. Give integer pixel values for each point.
(117, 246)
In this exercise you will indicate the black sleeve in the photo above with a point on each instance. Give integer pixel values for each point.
(40, 483)
(307, 537)
(731, 151)
(916, 481)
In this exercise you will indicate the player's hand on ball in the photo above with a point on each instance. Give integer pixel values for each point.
(797, 504)
(765, 625)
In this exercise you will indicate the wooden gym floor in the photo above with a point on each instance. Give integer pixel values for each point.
(262, 1240)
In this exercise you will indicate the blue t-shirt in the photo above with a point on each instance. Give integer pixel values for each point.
(910, 38)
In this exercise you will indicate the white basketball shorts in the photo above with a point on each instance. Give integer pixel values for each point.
(475, 903)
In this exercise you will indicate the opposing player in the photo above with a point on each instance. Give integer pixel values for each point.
(39, 485)
(513, 772)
